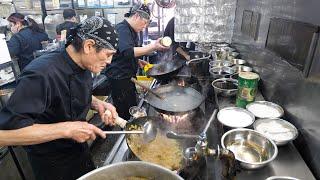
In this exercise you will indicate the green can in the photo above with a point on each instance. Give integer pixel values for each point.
(247, 88)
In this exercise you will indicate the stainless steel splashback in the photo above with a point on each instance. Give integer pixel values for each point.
(204, 20)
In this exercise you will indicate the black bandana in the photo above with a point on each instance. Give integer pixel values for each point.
(142, 9)
(100, 30)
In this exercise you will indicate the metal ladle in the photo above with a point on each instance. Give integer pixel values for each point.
(149, 132)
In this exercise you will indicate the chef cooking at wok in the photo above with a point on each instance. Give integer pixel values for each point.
(51, 101)
(125, 63)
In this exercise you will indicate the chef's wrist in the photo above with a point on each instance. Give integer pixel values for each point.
(153, 46)
(63, 130)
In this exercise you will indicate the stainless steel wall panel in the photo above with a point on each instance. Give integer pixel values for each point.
(281, 82)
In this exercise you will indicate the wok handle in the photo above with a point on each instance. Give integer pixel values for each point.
(123, 132)
(147, 88)
(119, 121)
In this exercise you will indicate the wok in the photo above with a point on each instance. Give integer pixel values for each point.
(164, 71)
(177, 99)
(162, 151)
(130, 170)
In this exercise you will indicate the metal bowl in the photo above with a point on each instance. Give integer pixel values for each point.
(221, 72)
(265, 109)
(279, 130)
(281, 178)
(235, 117)
(131, 170)
(238, 61)
(225, 86)
(252, 149)
(241, 68)
(232, 55)
(220, 63)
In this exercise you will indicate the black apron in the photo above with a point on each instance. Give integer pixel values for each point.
(61, 166)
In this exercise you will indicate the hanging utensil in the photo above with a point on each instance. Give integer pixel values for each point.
(147, 88)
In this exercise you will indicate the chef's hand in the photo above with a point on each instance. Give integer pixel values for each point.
(106, 111)
(81, 131)
(158, 46)
(142, 63)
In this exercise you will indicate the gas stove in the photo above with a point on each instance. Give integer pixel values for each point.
(181, 123)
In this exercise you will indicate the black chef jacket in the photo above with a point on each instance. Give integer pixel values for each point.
(67, 25)
(51, 89)
(24, 43)
(124, 65)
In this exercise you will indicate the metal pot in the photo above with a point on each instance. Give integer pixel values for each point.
(199, 63)
(130, 169)
(225, 86)
(220, 63)
(221, 72)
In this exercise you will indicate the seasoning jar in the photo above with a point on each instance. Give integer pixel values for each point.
(166, 41)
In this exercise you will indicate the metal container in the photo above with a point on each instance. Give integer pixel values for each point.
(280, 131)
(131, 170)
(235, 117)
(265, 109)
(221, 72)
(232, 55)
(238, 61)
(225, 86)
(247, 88)
(199, 68)
(220, 63)
(252, 149)
(241, 68)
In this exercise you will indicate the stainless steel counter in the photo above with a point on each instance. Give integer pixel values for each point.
(287, 163)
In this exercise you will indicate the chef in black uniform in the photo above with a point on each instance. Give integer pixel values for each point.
(125, 63)
(52, 98)
(70, 21)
